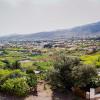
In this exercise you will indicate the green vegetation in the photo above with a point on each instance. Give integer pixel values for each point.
(20, 70)
(43, 65)
(17, 71)
(16, 86)
(92, 59)
(16, 81)
(69, 72)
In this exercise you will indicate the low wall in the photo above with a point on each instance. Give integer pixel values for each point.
(94, 94)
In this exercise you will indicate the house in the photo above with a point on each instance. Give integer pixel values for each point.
(36, 52)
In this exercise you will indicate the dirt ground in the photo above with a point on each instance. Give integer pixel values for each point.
(44, 93)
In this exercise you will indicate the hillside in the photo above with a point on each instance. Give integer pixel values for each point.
(85, 31)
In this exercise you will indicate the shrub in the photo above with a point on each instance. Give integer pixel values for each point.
(17, 86)
(61, 75)
(84, 75)
(10, 74)
(16, 65)
(68, 72)
(4, 75)
(31, 79)
(12, 65)
(17, 82)
(17, 74)
(7, 64)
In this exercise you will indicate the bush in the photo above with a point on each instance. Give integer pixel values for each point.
(12, 65)
(10, 74)
(17, 82)
(31, 79)
(17, 74)
(68, 72)
(84, 75)
(7, 64)
(17, 86)
(4, 75)
(61, 76)
(16, 65)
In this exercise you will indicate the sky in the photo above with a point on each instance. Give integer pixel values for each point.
(31, 16)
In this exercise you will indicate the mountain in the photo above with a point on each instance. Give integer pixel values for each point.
(84, 31)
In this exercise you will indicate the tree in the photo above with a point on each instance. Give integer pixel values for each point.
(61, 75)
(68, 72)
(48, 45)
(84, 75)
(7, 63)
(16, 65)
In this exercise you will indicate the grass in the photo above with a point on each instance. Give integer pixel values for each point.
(27, 64)
(2, 65)
(37, 65)
(43, 65)
(39, 57)
(12, 55)
(91, 59)
(4, 72)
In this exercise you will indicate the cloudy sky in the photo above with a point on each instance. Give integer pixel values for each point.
(30, 16)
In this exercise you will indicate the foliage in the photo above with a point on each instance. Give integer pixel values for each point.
(43, 65)
(13, 71)
(60, 76)
(69, 72)
(17, 74)
(16, 65)
(7, 63)
(31, 79)
(2, 65)
(10, 74)
(13, 65)
(84, 75)
(16, 86)
(5, 52)
(17, 82)
(91, 59)
(48, 45)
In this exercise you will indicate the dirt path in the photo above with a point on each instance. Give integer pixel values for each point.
(43, 94)
(47, 94)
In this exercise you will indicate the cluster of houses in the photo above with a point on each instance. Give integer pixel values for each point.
(85, 45)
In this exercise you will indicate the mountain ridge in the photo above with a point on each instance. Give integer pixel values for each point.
(83, 31)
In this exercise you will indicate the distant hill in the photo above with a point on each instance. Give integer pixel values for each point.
(85, 31)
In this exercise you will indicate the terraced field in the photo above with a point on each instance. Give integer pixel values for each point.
(91, 59)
